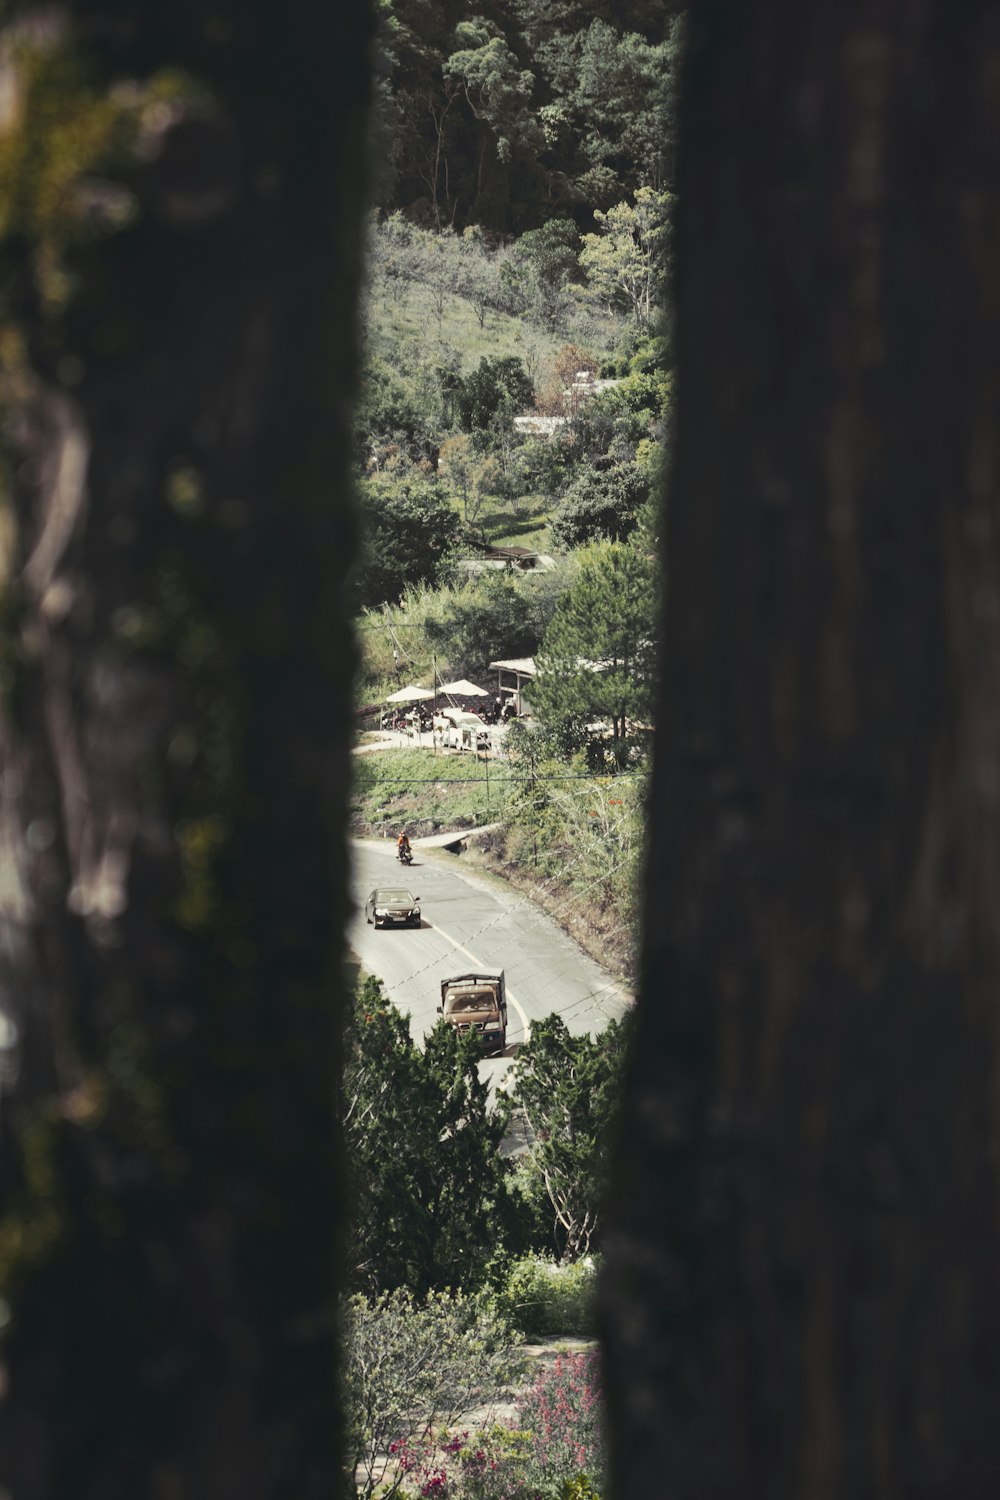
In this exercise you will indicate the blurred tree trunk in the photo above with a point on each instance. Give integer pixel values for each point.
(802, 1296)
(182, 191)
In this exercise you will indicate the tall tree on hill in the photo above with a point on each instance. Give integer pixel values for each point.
(803, 1296)
(598, 659)
(181, 197)
(497, 91)
(625, 261)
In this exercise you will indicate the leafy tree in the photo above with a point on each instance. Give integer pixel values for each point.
(437, 265)
(570, 360)
(598, 658)
(569, 1088)
(487, 279)
(494, 393)
(625, 413)
(391, 261)
(389, 415)
(413, 1365)
(532, 824)
(496, 89)
(430, 113)
(551, 255)
(650, 355)
(408, 531)
(542, 466)
(624, 262)
(601, 501)
(552, 251)
(486, 620)
(501, 117)
(623, 94)
(608, 122)
(432, 1198)
(470, 475)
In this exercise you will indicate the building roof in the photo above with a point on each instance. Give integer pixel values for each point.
(525, 665)
(513, 553)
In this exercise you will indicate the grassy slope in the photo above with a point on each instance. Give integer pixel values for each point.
(424, 792)
(409, 318)
(406, 321)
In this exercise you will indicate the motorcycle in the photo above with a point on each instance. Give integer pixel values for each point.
(405, 855)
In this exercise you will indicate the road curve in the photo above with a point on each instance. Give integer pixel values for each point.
(472, 923)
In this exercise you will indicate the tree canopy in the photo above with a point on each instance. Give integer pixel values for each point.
(499, 117)
(597, 662)
(603, 500)
(494, 393)
(624, 261)
(431, 1188)
(569, 1087)
(408, 530)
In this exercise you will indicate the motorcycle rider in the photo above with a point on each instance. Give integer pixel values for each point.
(403, 845)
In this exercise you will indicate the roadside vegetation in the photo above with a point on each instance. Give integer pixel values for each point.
(425, 793)
(459, 1254)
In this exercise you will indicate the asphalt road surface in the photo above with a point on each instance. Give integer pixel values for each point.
(469, 924)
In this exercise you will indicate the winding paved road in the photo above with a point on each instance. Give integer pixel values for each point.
(472, 923)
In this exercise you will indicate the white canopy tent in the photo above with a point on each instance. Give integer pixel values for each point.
(409, 695)
(463, 688)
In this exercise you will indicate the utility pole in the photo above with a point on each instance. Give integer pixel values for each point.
(487, 754)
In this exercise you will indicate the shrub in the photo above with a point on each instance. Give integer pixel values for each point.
(411, 1365)
(485, 1465)
(499, 1464)
(541, 1297)
(563, 1411)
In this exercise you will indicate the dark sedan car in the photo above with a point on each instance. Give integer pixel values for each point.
(392, 906)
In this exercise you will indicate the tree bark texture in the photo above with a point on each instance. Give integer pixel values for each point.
(802, 1293)
(176, 673)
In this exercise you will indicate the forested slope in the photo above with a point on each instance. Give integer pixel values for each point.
(527, 111)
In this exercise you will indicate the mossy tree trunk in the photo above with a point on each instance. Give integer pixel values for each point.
(804, 1265)
(178, 272)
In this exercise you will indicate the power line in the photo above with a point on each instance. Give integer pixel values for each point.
(507, 780)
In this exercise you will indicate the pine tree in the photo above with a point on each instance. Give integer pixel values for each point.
(597, 662)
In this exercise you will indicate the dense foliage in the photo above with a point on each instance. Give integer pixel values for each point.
(518, 246)
(408, 533)
(597, 663)
(523, 108)
(568, 1089)
(413, 1365)
(433, 1203)
(543, 1297)
(553, 1450)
